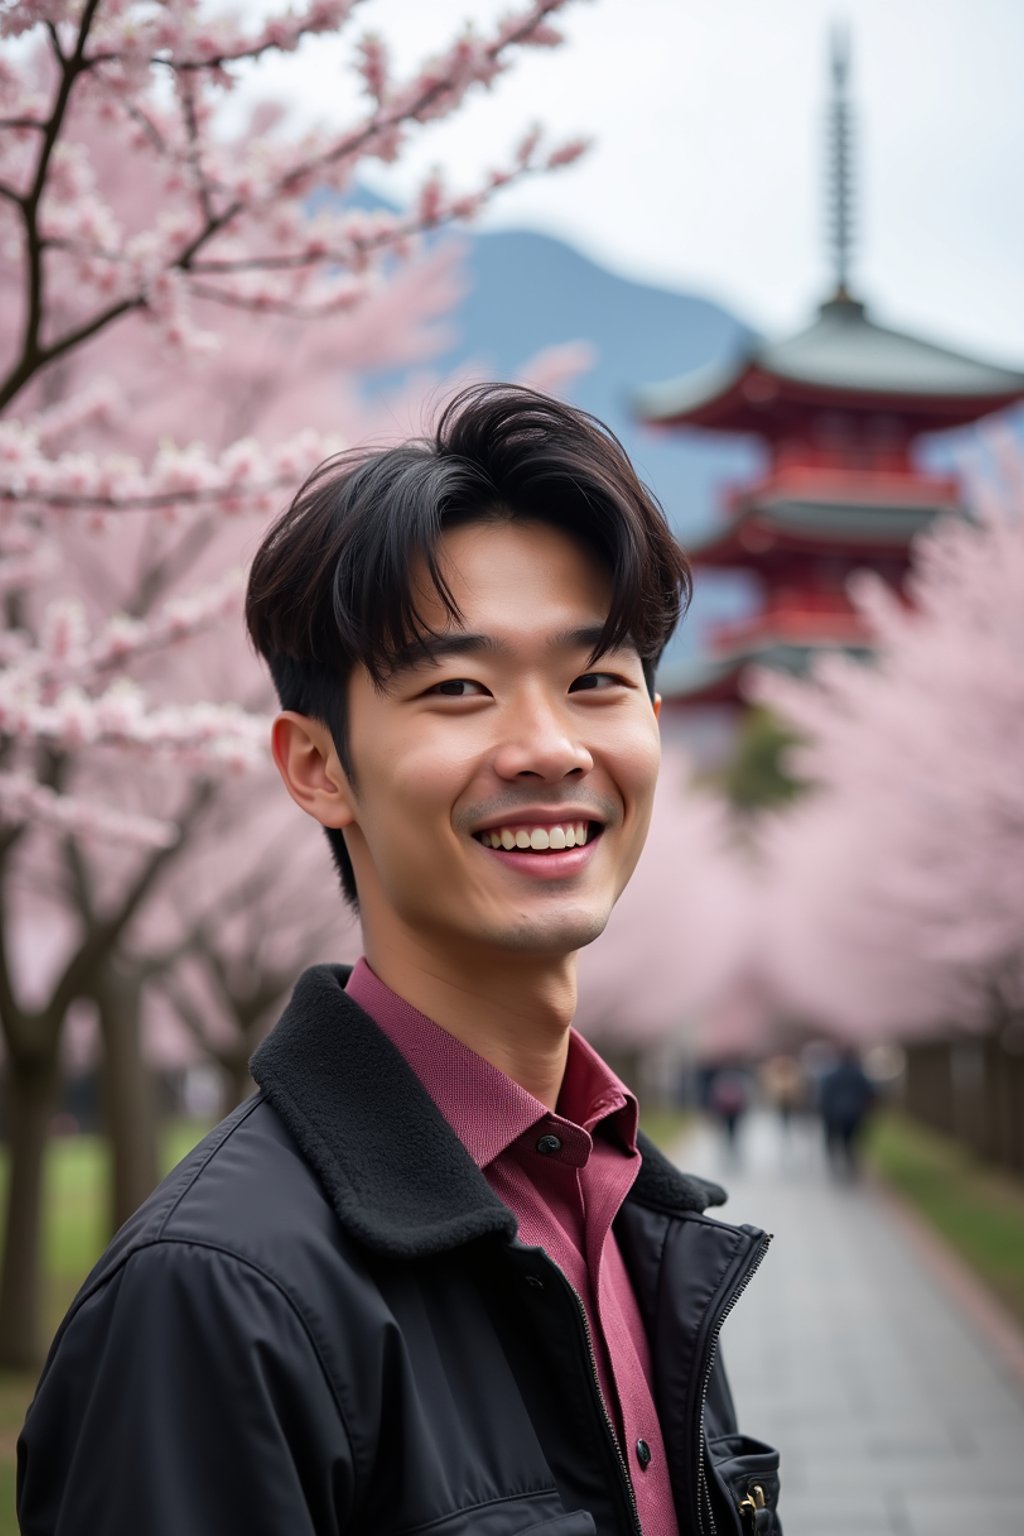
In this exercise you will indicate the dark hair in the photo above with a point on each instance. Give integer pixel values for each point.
(331, 584)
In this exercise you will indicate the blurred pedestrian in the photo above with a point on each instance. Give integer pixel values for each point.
(729, 1100)
(846, 1098)
(785, 1088)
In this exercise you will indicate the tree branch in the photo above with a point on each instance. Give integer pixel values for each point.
(153, 503)
(200, 182)
(55, 42)
(189, 1015)
(32, 360)
(358, 141)
(79, 879)
(103, 936)
(174, 564)
(153, 133)
(69, 72)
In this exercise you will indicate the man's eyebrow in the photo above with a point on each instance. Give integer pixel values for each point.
(429, 650)
(590, 638)
(426, 650)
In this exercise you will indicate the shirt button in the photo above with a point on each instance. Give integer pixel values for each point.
(549, 1145)
(643, 1454)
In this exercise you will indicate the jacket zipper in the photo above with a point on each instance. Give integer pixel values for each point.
(627, 1480)
(703, 1495)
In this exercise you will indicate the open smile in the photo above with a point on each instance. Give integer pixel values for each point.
(533, 838)
(544, 851)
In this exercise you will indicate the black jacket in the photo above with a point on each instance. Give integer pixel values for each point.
(322, 1322)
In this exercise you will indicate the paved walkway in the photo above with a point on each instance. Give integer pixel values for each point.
(896, 1412)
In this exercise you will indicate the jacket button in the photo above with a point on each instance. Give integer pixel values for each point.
(549, 1144)
(643, 1454)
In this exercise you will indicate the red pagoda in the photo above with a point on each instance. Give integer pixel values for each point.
(839, 408)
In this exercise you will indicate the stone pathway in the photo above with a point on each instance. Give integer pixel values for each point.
(896, 1412)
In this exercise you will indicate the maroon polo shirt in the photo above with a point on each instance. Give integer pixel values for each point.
(564, 1175)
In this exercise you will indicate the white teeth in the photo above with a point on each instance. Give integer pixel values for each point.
(570, 835)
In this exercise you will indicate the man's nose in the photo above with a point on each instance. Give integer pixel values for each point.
(540, 740)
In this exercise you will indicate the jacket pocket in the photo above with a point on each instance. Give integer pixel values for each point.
(530, 1516)
(748, 1472)
(577, 1524)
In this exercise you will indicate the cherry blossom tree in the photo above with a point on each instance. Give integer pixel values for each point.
(186, 315)
(894, 892)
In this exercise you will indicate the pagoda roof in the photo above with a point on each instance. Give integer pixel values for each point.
(842, 360)
(718, 679)
(806, 508)
(866, 527)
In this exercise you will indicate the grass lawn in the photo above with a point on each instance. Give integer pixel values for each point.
(979, 1212)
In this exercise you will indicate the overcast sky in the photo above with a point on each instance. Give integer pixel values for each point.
(708, 171)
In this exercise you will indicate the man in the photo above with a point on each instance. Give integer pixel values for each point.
(846, 1098)
(430, 1279)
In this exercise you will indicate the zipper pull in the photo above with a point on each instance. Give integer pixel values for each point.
(754, 1512)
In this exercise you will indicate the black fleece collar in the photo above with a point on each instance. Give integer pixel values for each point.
(396, 1174)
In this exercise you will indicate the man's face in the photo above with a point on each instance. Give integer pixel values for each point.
(507, 736)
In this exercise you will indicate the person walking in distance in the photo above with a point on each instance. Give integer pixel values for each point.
(730, 1099)
(847, 1097)
(432, 1278)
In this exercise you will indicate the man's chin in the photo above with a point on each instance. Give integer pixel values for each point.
(554, 936)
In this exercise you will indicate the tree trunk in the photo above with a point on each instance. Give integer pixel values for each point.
(1003, 1128)
(32, 1089)
(128, 1092)
(969, 1095)
(1016, 1075)
(928, 1085)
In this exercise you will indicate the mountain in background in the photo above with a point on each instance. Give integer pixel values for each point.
(529, 291)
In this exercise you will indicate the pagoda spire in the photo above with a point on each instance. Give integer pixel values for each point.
(840, 167)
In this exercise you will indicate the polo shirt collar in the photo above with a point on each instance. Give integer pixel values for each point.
(486, 1108)
(397, 1177)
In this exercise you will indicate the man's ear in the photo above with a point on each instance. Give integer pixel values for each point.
(308, 763)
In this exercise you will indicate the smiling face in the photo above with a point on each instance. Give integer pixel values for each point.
(503, 786)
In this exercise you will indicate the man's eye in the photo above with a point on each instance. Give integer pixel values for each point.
(458, 688)
(591, 680)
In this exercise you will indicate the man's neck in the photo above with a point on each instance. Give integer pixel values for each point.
(514, 1011)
